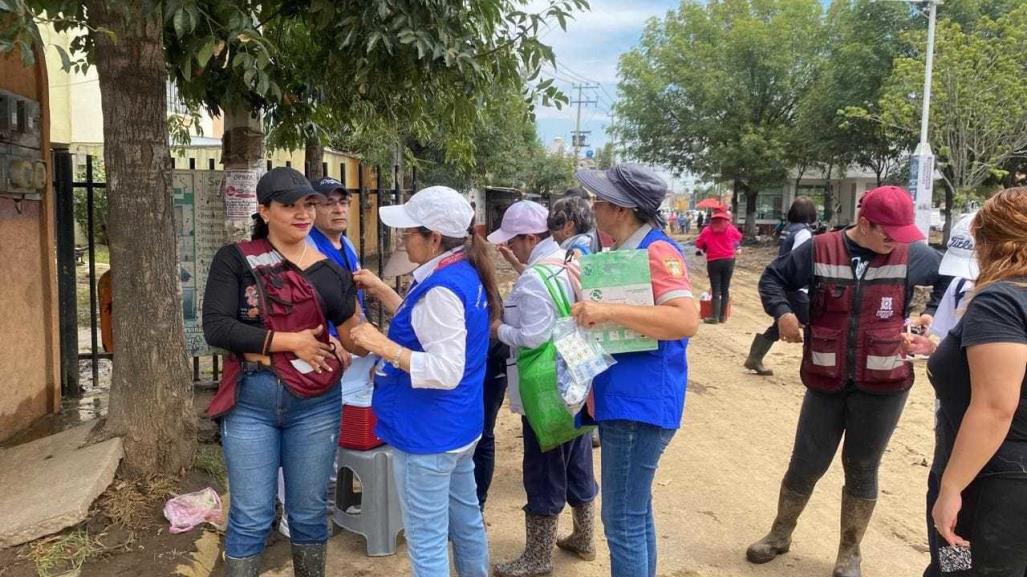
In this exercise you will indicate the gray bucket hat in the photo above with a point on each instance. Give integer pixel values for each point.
(627, 185)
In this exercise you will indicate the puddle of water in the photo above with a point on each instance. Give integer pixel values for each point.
(75, 410)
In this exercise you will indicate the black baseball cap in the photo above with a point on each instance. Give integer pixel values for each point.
(328, 185)
(284, 184)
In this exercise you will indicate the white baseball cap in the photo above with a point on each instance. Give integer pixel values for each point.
(522, 217)
(438, 208)
(960, 258)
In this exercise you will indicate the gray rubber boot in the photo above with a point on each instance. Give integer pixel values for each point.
(759, 349)
(308, 560)
(581, 541)
(789, 506)
(856, 515)
(537, 558)
(244, 567)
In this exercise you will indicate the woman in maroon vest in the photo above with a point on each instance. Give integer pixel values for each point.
(860, 280)
(268, 302)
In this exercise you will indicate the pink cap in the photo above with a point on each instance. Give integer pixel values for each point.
(522, 217)
(891, 208)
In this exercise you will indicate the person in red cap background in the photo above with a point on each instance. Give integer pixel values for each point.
(861, 280)
(719, 241)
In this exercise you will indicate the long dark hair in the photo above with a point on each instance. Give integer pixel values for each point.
(260, 228)
(478, 255)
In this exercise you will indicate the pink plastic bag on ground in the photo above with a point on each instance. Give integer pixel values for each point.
(187, 511)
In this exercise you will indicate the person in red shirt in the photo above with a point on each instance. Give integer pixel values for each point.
(719, 241)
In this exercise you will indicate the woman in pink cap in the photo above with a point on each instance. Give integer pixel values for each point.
(719, 241)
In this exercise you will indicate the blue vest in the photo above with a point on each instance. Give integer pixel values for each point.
(347, 258)
(427, 421)
(647, 386)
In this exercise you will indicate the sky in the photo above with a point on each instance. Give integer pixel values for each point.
(588, 52)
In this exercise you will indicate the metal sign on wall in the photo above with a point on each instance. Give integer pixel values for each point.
(200, 231)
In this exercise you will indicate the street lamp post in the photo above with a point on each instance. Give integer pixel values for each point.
(921, 166)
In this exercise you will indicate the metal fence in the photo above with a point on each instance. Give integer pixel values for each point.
(69, 255)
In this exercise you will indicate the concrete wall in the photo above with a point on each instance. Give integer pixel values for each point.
(29, 357)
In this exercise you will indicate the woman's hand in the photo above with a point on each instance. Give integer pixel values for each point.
(590, 314)
(510, 257)
(305, 345)
(913, 344)
(369, 281)
(340, 353)
(946, 513)
(368, 337)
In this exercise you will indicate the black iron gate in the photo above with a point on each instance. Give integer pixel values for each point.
(69, 255)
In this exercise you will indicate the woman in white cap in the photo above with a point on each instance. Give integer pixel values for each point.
(562, 475)
(640, 400)
(428, 388)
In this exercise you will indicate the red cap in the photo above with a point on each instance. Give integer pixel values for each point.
(891, 208)
(720, 214)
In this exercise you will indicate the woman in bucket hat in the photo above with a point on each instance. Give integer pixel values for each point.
(640, 400)
(428, 387)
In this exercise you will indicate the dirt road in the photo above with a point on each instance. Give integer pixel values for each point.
(717, 485)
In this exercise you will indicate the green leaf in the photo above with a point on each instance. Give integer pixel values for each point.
(181, 22)
(205, 53)
(65, 59)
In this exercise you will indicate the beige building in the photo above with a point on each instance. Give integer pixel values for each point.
(77, 123)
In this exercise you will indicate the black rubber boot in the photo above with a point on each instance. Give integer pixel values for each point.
(722, 311)
(308, 560)
(581, 541)
(789, 506)
(714, 317)
(759, 349)
(537, 558)
(856, 515)
(244, 567)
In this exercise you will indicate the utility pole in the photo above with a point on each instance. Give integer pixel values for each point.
(578, 138)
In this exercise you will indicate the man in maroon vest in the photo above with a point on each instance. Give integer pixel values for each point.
(861, 280)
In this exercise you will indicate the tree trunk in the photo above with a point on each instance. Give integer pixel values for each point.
(313, 158)
(750, 212)
(151, 397)
(950, 199)
(736, 187)
(242, 150)
(829, 198)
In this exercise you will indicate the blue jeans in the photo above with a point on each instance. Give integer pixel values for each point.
(268, 428)
(631, 454)
(438, 497)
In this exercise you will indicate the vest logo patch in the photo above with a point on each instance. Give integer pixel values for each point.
(885, 311)
(674, 267)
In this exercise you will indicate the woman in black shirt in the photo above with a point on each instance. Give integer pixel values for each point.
(279, 401)
(978, 372)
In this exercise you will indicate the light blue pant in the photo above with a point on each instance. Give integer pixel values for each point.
(631, 454)
(268, 428)
(439, 500)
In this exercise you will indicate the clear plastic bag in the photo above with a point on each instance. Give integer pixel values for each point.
(580, 358)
